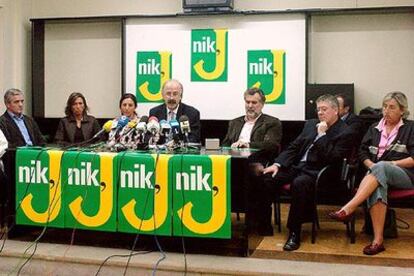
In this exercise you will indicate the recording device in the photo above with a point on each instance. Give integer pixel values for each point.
(106, 128)
(185, 126)
(132, 124)
(153, 126)
(165, 128)
(116, 128)
(128, 128)
(165, 131)
(175, 130)
(142, 125)
(120, 123)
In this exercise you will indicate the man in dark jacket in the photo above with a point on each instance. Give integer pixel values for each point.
(255, 129)
(322, 142)
(19, 129)
(351, 119)
(173, 108)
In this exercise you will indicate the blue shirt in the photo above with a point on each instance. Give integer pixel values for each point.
(22, 127)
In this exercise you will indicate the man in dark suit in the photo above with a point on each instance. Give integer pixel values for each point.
(352, 120)
(255, 129)
(19, 129)
(322, 141)
(173, 108)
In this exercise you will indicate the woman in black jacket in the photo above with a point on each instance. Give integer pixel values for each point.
(387, 151)
(77, 126)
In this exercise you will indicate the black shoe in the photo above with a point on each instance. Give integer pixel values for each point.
(293, 242)
(265, 230)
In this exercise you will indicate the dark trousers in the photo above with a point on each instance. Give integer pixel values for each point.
(263, 190)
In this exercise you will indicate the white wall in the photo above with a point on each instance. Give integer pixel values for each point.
(83, 57)
(373, 51)
(15, 48)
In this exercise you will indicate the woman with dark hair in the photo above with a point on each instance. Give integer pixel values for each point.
(77, 126)
(127, 120)
(127, 105)
(387, 152)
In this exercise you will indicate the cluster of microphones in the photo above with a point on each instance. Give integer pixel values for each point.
(124, 134)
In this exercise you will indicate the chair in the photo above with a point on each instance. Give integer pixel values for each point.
(400, 194)
(346, 178)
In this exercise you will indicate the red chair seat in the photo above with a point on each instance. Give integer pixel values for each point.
(285, 187)
(400, 193)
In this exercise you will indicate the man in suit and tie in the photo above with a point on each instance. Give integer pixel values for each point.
(255, 129)
(173, 108)
(19, 129)
(323, 141)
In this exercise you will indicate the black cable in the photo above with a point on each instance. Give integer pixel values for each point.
(72, 240)
(121, 256)
(5, 234)
(119, 165)
(36, 241)
(405, 225)
(182, 223)
(145, 207)
(50, 210)
(163, 255)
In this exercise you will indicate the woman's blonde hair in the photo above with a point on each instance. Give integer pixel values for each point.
(401, 99)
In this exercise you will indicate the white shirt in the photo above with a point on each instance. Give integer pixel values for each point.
(246, 131)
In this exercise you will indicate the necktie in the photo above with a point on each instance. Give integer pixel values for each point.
(171, 115)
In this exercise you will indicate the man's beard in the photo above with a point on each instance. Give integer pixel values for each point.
(252, 114)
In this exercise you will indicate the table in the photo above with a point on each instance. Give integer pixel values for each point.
(81, 213)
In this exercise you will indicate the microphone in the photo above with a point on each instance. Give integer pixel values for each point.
(129, 127)
(153, 126)
(132, 124)
(175, 130)
(165, 128)
(142, 125)
(185, 125)
(117, 126)
(121, 123)
(105, 128)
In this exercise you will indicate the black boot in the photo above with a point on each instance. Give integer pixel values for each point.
(293, 242)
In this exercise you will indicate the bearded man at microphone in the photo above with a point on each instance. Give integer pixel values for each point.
(323, 141)
(173, 109)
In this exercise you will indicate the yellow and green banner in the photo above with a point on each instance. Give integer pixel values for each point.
(266, 69)
(144, 194)
(153, 69)
(90, 190)
(39, 192)
(209, 55)
(201, 196)
(170, 195)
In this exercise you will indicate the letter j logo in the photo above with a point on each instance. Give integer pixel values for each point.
(266, 69)
(209, 55)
